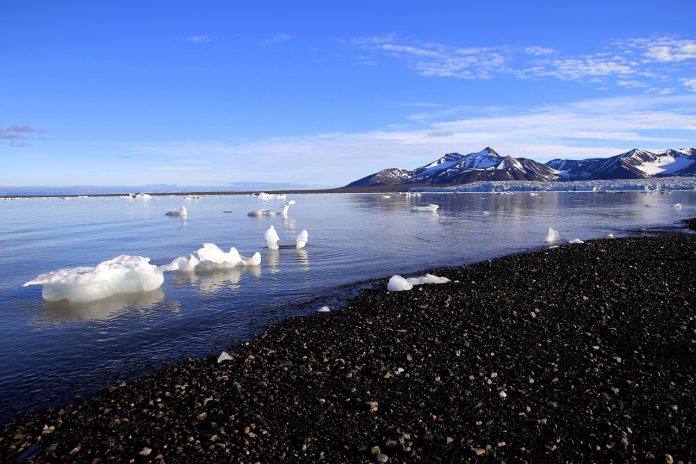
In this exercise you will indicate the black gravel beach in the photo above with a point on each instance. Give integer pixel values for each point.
(581, 353)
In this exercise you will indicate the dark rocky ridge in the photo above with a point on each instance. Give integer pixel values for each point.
(593, 346)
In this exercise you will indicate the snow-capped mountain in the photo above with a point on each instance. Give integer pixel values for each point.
(634, 164)
(454, 168)
(487, 165)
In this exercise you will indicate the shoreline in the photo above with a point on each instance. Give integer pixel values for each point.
(329, 386)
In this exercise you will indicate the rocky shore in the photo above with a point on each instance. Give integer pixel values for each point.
(582, 353)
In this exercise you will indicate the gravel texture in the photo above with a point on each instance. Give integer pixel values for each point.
(582, 353)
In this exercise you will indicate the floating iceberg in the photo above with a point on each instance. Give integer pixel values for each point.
(431, 208)
(397, 283)
(211, 257)
(286, 207)
(272, 238)
(178, 212)
(575, 241)
(122, 274)
(552, 235)
(271, 196)
(302, 239)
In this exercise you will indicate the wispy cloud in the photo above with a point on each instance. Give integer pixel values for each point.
(16, 133)
(628, 63)
(276, 38)
(690, 84)
(198, 39)
(597, 127)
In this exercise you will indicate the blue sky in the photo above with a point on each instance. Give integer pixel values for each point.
(318, 93)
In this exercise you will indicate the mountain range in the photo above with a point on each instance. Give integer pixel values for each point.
(487, 165)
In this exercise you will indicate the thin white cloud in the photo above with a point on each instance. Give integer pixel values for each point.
(276, 38)
(690, 84)
(597, 127)
(628, 63)
(199, 39)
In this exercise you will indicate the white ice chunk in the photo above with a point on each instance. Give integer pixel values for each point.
(183, 264)
(224, 356)
(324, 309)
(255, 260)
(386, 197)
(677, 205)
(486, 213)
(610, 236)
(178, 212)
(427, 279)
(211, 257)
(122, 274)
(142, 196)
(431, 208)
(302, 239)
(575, 241)
(271, 196)
(552, 235)
(398, 284)
(286, 207)
(272, 238)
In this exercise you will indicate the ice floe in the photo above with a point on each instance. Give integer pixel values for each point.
(211, 257)
(302, 239)
(397, 283)
(181, 212)
(119, 275)
(552, 235)
(431, 208)
(272, 238)
(271, 196)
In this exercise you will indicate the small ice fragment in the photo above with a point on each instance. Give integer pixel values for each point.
(427, 279)
(255, 260)
(610, 236)
(552, 235)
(286, 207)
(122, 274)
(272, 238)
(386, 197)
(677, 205)
(398, 284)
(431, 208)
(502, 394)
(324, 309)
(227, 211)
(576, 241)
(178, 212)
(302, 239)
(183, 264)
(485, 213)
(224, 356)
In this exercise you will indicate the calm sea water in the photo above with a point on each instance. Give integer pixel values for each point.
(51, 351)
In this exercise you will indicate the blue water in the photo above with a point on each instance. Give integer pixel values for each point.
(51, 351)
